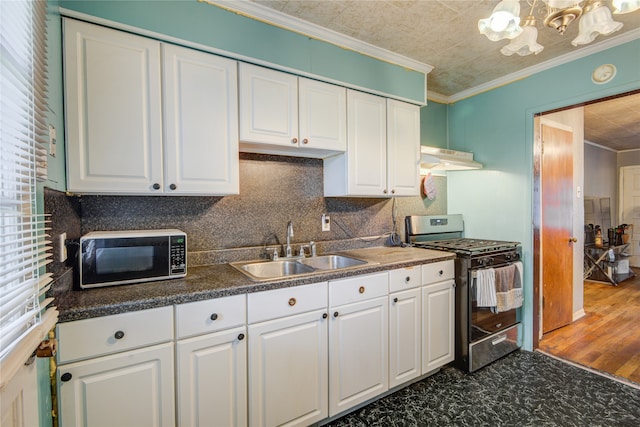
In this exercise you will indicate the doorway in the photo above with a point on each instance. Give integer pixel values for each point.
(584, 293)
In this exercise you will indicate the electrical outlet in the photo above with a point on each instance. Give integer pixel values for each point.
(326, 222)
(62, 247)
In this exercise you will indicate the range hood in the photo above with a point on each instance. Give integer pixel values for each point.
(435, 158)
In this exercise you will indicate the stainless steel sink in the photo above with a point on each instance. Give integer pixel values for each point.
(331, 262)
(274, 269)
(265, 270)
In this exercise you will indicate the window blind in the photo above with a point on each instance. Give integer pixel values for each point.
(24, 248)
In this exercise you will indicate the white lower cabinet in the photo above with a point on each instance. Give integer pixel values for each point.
(211, 362)
(212, 379)
(117, 370)
(288, 380)
(438, 311)
(358, 340)
(405, 336)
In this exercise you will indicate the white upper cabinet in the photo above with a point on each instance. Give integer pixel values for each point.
(284, 114)
(201, 122)
(383, 148)
(118, 100)
(113, 110)
(403, 148)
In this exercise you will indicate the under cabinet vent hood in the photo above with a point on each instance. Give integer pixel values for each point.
(443, 159)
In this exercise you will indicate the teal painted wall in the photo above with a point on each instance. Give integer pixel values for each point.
(211, 26)
(433, 125)
(497, 126)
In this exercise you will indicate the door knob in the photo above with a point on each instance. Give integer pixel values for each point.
(573, 239)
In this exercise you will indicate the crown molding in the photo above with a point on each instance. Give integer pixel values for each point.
(602, 147)
(543, 66)
(279, 19)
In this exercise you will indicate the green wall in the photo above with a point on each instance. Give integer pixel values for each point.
(433, 125)
(497, 126)
(211, 26)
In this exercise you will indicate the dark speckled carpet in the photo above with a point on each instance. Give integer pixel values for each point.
(522, 389)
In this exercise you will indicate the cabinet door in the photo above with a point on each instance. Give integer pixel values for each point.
(358, 353)
(403, 148)
(212, 379)
(438, 325)
(366, 144)
(134, 388)
(268, 106)
(288, 370)
(323, 115)
(113, 110)
(201, 122)
(405, 336)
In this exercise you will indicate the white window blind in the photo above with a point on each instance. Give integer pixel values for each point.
(24, 317)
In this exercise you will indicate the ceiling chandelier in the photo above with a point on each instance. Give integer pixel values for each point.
(594, 18)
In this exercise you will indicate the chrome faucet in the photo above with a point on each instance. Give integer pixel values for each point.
(288, 253)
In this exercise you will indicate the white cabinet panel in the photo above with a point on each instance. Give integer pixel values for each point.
(403, 148)
(286, 302)
(201, 122)
(358, 353)
(268, 106)
(202, 317)
(113, 110)
(323, 115)
(212, 379)
(438, 325)
(288, 370)
(405, 336)
(133, 388)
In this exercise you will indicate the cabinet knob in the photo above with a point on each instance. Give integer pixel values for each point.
(294, 141)
(393, 191)
(173, 186)
(361, 289)
(407, 279)
(335, 314)
(325, 315)
(292, 302)
(118, 335)
(156, 186)
(384, 191)
(214, 316)
(240, 337)
(440, 272)
(305, 141)
(66, 377)
(395, 299)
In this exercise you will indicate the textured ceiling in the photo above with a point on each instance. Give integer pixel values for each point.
(444, 34)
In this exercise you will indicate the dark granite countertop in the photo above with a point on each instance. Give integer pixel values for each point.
(219, 280)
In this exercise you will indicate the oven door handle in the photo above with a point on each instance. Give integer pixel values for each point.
(500, 339)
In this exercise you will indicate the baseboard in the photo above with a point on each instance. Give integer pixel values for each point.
(578, 314)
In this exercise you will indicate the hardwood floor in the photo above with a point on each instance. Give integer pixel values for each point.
(607, 338)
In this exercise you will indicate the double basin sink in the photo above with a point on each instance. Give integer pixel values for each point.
(283, 268)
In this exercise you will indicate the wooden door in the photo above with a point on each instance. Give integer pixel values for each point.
(557, 226)
(630, 209)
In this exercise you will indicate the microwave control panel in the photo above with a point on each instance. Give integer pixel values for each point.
(178, 253)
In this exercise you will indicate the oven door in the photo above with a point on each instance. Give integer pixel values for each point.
(484, 321)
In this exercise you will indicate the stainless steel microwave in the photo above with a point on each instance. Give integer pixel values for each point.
(109, 258)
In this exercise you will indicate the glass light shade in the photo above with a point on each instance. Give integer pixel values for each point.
(561, 4)
(525, 44)
(625, 6)
(596, 20)
(504, 22)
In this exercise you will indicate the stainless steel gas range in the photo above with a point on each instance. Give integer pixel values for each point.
(484, 332)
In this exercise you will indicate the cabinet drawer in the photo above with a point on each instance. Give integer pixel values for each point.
(88, 338)
(359, 288)
(267, 305)
(405, 278)
(212, 315)
(437, 272)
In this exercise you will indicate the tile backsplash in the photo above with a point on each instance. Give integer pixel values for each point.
(273, 191)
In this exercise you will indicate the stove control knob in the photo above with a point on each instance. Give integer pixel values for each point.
(489, 261)
(481, 261)
(507, 257)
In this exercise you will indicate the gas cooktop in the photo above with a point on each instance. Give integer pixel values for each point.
(468, 246)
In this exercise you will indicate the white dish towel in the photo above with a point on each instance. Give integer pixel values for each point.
(486, 288)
